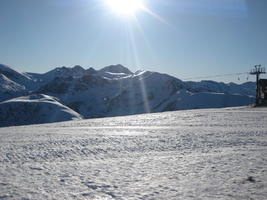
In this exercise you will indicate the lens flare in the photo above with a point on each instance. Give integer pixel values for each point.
(125, 7)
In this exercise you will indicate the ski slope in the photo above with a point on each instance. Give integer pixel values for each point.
(193, 154)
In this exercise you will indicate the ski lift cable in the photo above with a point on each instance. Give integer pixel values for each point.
(216, 76)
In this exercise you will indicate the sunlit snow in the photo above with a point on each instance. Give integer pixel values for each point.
(195, 154)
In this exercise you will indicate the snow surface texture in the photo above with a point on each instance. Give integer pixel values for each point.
(195, 154)
(34, 109)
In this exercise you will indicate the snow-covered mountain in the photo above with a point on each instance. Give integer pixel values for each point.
(123, 92)
(13, 83)
(98, 96)
(9, 89)
(184, 99)
(76, 71)
(14, 75)
(115, 90)
(114, 71)
(34, 109)
(247, 88)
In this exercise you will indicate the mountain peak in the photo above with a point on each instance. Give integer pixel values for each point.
(78, 68)
(116, 69)
(64, 68)
(76, 71)
(91, 70)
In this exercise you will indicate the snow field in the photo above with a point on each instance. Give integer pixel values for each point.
(195, 154)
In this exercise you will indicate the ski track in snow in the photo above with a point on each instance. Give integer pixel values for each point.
(197, 154)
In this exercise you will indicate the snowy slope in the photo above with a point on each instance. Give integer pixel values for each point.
(22, 79)
(116, 69)
(9, 89)
(114, 72)
(124, 93)
(97, 96)
(184, 99)
(247, 88)
(76, 71)
(143, 92)
(34, 109)
(195, 154)
(115, 90)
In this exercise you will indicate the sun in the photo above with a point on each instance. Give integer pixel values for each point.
(125, 7)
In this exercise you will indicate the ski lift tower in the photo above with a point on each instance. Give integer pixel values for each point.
(257, 71)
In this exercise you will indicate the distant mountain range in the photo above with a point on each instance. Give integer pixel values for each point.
(112, 91)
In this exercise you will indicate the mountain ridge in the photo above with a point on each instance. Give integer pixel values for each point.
(115, 90)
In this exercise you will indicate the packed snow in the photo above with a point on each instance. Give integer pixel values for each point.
(193, 154)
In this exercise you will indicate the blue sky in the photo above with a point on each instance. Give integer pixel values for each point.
(193, 38)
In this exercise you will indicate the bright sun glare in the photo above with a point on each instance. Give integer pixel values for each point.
(125, 7)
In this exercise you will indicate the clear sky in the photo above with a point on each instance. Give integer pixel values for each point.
(184, 38)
